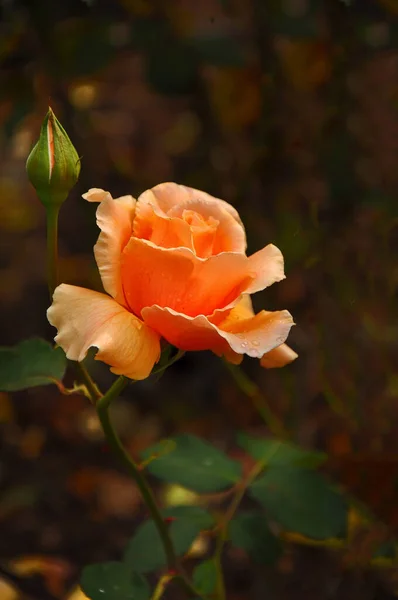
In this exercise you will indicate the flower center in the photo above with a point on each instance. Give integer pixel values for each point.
(203, 232)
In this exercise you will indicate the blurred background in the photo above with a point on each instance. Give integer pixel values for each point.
(287, 109)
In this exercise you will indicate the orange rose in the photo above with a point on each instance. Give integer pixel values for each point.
(174, 265)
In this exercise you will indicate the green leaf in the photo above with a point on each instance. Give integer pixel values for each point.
(278, 453)
(145, 553)
(194, 464)
(250, 531)
(302, 501)
(386, 550)
(114, 581)
(31, 363)
(204, 577)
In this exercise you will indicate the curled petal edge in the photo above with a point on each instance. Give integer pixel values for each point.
(86, 319)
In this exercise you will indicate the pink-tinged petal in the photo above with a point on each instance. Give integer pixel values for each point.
(86, 319)
(96, 195)
(253, 336)
(114, 218)
(177, 279)
(170, 200)
(278, 357)
(266, 268)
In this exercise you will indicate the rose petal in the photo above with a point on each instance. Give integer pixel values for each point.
(177, 279)
(278, 357)
(114, 218)
(96, 195)
(253, 336)
(170, 200)
(266, 268)
(86, 319)
(152, 224)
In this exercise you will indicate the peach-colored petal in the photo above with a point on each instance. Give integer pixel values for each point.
(241, 308)
(169, 200)
(96, 195)
(266, 268)
(177, 279)
(86, 319)
(253, 336)
(152, 224)
(114, 218)
(278, 357)
(259, 334)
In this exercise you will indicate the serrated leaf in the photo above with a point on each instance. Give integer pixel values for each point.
(29, 364)
(204, 577)
(278, 453)
(194, 464)
(145, 553)
(251, 532)
(302, 501)
(114, 581)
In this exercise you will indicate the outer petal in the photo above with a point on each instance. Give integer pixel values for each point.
(115, 219)
(170, 200)
(86, 319)
(278, 357)
(253, 336)
(266, 267)
(96, 195)
(177, 279)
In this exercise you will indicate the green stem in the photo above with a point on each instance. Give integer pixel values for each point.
(52, 213)
(233, 507)
(252, 390)
(133, 469)
(92, 388)
(223, 535)
(161, 586)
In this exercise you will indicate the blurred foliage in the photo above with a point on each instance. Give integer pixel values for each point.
(288, 110)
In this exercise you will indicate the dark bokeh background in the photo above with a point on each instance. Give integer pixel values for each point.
(288, 109)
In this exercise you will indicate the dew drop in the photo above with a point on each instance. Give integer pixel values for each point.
(244, 344)
(255, 343)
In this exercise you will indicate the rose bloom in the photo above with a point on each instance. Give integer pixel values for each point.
(175, 267)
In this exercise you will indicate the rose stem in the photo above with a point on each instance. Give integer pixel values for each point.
(52, 213)
(137, 475)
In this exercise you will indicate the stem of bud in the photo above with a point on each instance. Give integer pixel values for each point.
(52, 213)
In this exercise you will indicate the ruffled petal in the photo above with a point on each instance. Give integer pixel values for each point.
(169, 201)
(253, 336)
(278, 357)
(177, 279)
(150, 223)
(115, 219)
(86, 319)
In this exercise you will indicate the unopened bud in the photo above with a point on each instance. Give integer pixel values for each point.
(53, 166)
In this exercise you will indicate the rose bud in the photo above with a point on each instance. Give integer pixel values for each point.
(53, 166)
